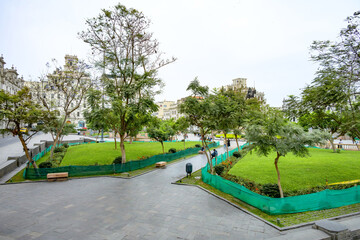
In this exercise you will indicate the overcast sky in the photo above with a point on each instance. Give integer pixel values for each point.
(266, 41)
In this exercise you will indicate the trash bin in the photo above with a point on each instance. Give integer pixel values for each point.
(188, 169)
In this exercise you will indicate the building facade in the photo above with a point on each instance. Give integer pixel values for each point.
(49, 90)
(9, 81)
(240, 84)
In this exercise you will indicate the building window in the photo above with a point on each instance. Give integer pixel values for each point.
(78, 114)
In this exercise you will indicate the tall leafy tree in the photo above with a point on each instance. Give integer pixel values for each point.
(19, 110)
(70, 84)
(129, 54)
(223, 109)
(275, 134)
(198, 112)
(336, 86)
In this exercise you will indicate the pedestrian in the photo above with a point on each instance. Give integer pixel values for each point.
(228, 142)
(214, 153)
(224, 143)
(340, 142)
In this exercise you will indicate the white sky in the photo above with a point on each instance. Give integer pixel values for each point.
(266, 41)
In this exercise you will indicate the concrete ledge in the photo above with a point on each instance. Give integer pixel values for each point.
(34, 151)
(41, 146)
(16, 158)
(7, 167)
(303, 234)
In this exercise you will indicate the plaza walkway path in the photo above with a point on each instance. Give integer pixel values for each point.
(145, 207)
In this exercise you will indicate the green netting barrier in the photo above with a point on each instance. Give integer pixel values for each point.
(316, 201)
(74, 171)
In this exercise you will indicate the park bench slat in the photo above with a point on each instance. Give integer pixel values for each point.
(62, 176)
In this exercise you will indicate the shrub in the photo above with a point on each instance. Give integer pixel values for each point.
(65, 145)
(59, 149)
(237, 154)
(117, 160)
(172, 150)
(338, 151)
(270, 190)
(197, 145)
(219, 169)
(59, 155)
(45, 165)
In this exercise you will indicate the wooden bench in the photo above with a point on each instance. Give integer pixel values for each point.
(160, 164)
(61, 176)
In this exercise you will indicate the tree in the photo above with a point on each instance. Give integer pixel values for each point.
(96, 113)
(53, 127)
(18, 110)
(223, 109)
(197, 110)
(161, 130)
(182, 126)
(130, 58)
(312, 116)
(137, 122)
(69, 84)
(278, 135)
(336, 86)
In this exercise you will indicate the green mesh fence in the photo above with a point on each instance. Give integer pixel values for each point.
(74, 171)
(316, 201)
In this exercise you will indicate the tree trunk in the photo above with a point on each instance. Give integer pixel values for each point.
(162, 145)
(237, 143)
(26, 151)
(332, 144)
(122, 147)
(207, 157)
(184, 140)
(131, 139)
(115, 140)
(227, 148)
(57, 138)
(278, 174)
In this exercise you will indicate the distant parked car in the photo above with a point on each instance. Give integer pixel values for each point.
(24, 130)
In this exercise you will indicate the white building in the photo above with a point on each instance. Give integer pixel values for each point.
(169, 109)
(55, 98)
(240, 84)
(9, 81)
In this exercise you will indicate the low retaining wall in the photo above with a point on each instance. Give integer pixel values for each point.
(16, 161)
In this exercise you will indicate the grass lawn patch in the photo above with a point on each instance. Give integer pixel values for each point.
(300, 173)
(285, 220)
(105, 153)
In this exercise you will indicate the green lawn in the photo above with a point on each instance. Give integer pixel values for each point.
(105, 153)
(300, 173)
